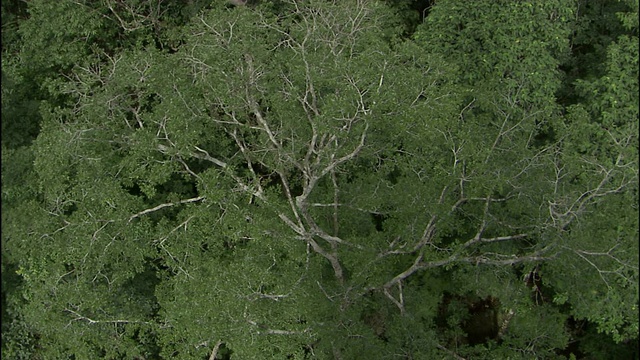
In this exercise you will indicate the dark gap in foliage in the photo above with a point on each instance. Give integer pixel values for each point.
(423, 7)
(308, 349)
(224, 352)
(11, 285)
(70, 269)
(411, 13)
(216, 111)
(329, 275)
(20, 113)
(133, 190)
(545, 136)
(540, 294)
(70, 209)
(169, 213)
(376, 315)
(197, 165)
(378, 220)
(575, 328)
(159, 265)
(150, 101)
(178, 184)
(268, 177)
(148, 339)
(376, 320)
(483, 324)
(143, 284)
(235, 243)
(14, 9)
(394, 175)
(296, 183)
(476, 317)
(589, 343)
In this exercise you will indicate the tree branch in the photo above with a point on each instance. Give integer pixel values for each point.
(161, 206)
(269, 331)
(214, 351)
(92, 321)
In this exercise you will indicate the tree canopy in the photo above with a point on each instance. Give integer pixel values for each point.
(320, 179)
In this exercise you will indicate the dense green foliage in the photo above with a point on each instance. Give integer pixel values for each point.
(320, 179)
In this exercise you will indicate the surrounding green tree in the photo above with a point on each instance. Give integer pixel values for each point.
(320, 179)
